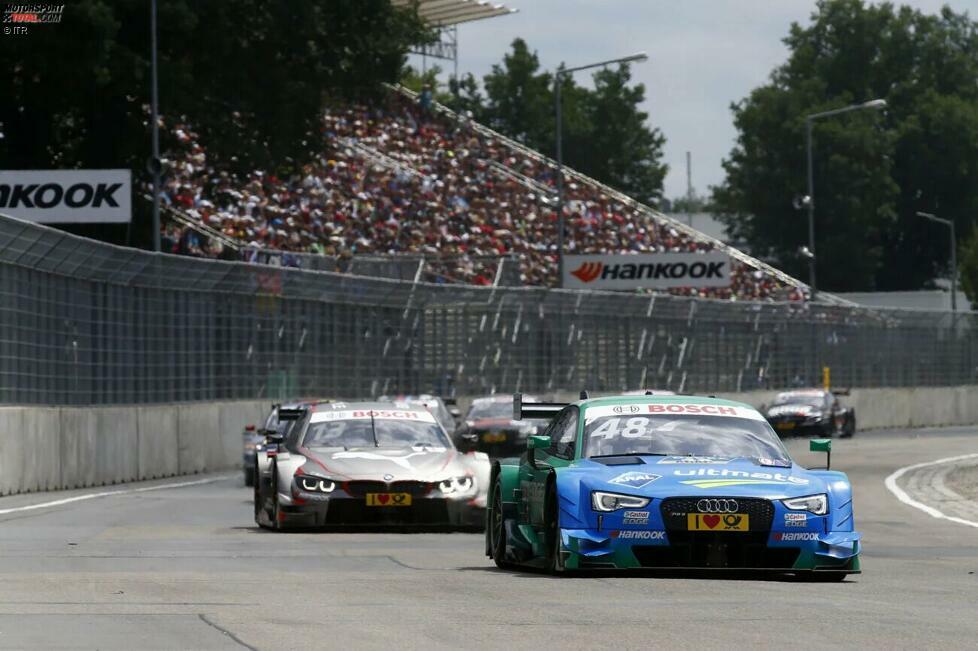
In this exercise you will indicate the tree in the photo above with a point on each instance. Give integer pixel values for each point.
(872, 172)
(620, 149)
(519, 98)
(605, 133)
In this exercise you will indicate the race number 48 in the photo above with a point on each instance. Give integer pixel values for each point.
(632, 428)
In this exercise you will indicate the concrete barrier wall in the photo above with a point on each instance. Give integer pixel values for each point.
(49, 448)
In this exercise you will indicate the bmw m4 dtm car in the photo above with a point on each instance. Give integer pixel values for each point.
(368, 464)
(667, 482)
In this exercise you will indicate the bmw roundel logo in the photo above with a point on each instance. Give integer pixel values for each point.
(388, 477)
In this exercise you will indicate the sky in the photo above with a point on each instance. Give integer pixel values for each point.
(703, 55)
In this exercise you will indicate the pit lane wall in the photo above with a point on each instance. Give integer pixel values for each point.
(54, 448)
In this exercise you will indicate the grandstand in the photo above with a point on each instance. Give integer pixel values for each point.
(404, 177)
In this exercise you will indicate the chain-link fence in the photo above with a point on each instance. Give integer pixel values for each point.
(82, 322)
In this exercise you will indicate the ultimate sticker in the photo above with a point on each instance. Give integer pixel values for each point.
(634, 479)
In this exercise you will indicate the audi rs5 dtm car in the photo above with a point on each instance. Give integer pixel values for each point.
(368, 463)
(667, 482)
(811, 411)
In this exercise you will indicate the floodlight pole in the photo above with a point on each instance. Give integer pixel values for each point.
(154, 109)
(558, 79)
(876, 104)
(954, 256)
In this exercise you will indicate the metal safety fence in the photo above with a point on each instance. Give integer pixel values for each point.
(83, 322)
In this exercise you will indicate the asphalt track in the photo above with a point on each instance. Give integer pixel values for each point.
(185, 568)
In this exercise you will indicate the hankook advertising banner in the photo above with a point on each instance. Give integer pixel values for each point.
(648, 270)
(67, 196)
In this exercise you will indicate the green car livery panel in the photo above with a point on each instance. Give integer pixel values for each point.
(667, 482)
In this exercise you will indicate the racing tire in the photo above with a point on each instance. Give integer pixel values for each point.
(249, 477)
(849, 428)
(258, 502)
(496, 526)
(555, 560)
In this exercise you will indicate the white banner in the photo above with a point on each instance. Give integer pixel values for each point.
(67, 196)
(647, 270)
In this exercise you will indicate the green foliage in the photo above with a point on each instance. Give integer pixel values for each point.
(605, 133)
(968, 267)
(251, 75)
(872, 171)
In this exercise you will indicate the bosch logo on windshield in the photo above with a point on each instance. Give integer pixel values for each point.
(717, 506)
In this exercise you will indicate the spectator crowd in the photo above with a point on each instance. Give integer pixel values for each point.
(398, 177)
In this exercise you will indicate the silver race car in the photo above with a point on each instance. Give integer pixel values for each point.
(367, 464)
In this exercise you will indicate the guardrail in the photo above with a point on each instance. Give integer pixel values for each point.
(87, 323)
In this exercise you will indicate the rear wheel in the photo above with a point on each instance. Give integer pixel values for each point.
(249, 476)
(850, 426)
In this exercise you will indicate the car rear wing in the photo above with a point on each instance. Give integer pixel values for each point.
(291, 413)
(542, 410)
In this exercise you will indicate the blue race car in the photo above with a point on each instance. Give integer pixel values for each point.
(666, 482)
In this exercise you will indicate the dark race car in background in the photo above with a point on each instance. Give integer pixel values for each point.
(811, 412)
(254, 437)
(489, 427)
(443, 409)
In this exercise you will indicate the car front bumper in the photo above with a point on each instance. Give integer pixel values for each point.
(352, 512)
(803, 551)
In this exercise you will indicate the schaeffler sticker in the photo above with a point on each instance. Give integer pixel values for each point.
(795, 519)
(636, 517)
(634, 479)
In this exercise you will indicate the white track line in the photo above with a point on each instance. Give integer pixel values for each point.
(127, 491)
(891, 485)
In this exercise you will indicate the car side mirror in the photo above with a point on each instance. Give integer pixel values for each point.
(456, 413)
(534, 443)
(273, 436)
(822, 445)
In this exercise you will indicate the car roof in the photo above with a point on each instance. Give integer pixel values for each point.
(371, 405)
(606, 401)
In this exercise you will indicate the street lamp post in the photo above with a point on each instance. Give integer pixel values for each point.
(954, 256)
(558, 78)
(876, 104)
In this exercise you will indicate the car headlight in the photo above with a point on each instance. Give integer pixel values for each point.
(601, 501)
(316, 484)
(817, 504)
(457, 485)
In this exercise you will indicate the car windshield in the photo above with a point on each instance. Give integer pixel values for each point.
(812, 399)
(359, 432)
(683, 435)
(491, 409)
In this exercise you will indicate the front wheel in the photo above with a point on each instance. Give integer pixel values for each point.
(497, 529)
(555, 557)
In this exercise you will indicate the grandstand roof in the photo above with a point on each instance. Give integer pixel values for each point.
(452, 12)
